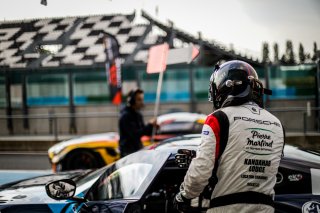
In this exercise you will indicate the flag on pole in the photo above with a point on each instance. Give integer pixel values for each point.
(194, 53)
(157, 63)
(182, 55)
(159, 57)
(113, 67)
(157, 60)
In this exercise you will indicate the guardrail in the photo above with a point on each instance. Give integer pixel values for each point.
(298, 119)
(294, 119)
(56, 124)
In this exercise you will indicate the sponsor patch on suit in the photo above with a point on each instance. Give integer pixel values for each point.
(205, 132)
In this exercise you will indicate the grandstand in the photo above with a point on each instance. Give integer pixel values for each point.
(78, 41)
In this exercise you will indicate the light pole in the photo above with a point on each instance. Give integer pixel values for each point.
(4, 69)
(318, 89)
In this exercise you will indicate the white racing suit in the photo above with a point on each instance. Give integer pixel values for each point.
(241, 146)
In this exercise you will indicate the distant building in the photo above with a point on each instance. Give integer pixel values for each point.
(61, 62)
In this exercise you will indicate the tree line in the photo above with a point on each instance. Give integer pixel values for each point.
(289, 57)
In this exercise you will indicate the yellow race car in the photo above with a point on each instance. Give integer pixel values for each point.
(97, 150)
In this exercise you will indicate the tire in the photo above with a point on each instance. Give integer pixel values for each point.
(81, 159)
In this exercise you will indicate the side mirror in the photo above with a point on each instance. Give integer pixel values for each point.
(61, 189)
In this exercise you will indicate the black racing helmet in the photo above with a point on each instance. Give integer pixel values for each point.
(234, 83)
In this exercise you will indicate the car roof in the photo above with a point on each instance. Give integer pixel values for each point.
(190, 141)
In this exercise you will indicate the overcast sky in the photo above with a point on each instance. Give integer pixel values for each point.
(244, 23)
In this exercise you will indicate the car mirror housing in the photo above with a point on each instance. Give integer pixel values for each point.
(61, 189)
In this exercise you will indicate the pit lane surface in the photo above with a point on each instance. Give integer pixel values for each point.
(24, 161)
(20, 165)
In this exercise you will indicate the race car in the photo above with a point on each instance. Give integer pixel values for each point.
(97, 150)
(147, 181)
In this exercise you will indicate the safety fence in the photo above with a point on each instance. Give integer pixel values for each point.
(294, 119)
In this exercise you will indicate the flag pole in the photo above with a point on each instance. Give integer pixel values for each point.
(157, 103)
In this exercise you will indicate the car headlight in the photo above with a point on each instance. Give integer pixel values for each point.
(56, 149)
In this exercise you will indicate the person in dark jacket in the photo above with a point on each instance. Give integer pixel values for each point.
(131, 124)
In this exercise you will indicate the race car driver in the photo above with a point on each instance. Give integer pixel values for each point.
(241, 146)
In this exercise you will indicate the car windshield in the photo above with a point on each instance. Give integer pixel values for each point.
(129, 177)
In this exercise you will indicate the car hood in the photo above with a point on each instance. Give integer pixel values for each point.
(32, 191)
(181, 117)
(30, 195)
(110, 136)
